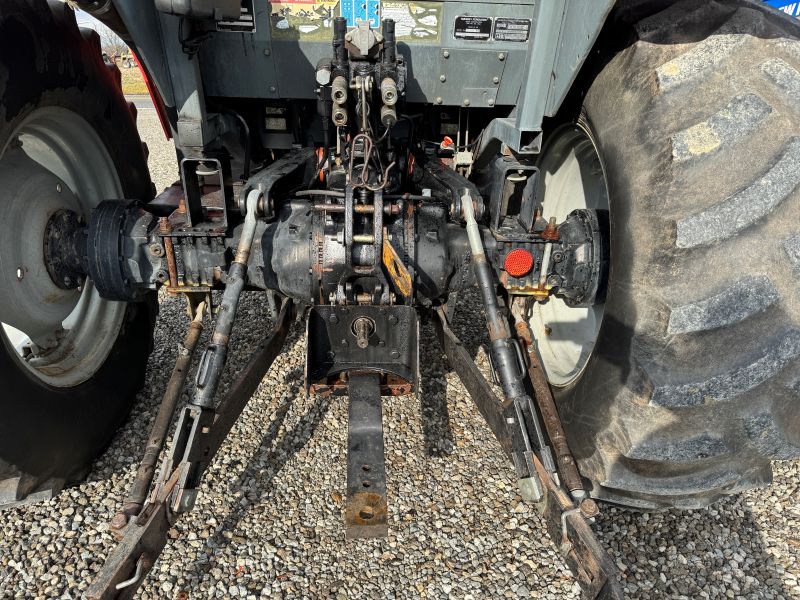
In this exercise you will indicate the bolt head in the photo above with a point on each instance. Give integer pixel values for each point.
(119, 521)
(439, 100)
(442, 77)
(495, 80)
(501, 56)
(272, 89)
(58, 188)
(267, 51)
(490, 102)
(446, 54)
(466, 101)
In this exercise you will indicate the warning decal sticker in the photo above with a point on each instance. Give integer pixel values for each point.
(361, 10)
(312, 20)
(414, 21)
(306, 19)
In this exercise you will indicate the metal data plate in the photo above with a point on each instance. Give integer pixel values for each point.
(332, 350)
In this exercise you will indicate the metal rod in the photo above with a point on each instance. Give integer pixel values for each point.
(504, 354)
(333, 193)
(548, 249)
(505, 350)
(366, 509)
(145, 537)
(216, 353)
(552, 422)
(248, 379)
(129, 582)
(568, 527)
(158, 434)
(169, 251)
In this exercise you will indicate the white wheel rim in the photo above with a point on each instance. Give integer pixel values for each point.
(572, 178)
(66, 146)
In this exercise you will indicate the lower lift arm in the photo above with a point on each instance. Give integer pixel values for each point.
(519, 425)
(200, 432)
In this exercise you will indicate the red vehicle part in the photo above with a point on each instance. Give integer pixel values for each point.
(158, 103)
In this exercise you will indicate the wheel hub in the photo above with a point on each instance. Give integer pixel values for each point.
(53, 173)
(34, 295)
(573, 183)
(64, 237)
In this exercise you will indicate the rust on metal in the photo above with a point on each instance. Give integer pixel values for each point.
(146, 535)
(143, 540)
(566, 523)
(165, 228)
(587, 559)
(396, 269)
(547, 407)
(498, 329)
(366, 512)
(335, 385)
(158, 432)
(550, 232)
(589, 508)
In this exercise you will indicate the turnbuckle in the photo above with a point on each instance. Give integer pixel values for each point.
(200, 432)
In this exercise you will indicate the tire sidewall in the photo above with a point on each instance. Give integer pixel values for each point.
(48, 432)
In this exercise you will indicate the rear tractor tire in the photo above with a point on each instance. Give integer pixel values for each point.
(686, 383)
(70, 362)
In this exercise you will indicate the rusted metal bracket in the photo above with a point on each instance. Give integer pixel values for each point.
(144, 537)
(388, 346)
(566, 517)
(366, 509)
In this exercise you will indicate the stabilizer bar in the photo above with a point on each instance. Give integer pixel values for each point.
(566, 520)
(145, 536)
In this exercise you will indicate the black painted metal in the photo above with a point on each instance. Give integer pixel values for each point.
(567, 525)
(366, 508)
(286, 173)
(212, 362)
(392, 347)
(65, 249)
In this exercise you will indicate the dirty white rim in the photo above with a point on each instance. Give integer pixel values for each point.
(572, 177)
(67, 146)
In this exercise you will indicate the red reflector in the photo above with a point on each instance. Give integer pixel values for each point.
(519, 262)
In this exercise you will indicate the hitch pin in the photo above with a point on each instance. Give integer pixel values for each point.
(129, 582)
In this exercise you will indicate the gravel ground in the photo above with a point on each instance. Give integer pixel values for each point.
(268, 522)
